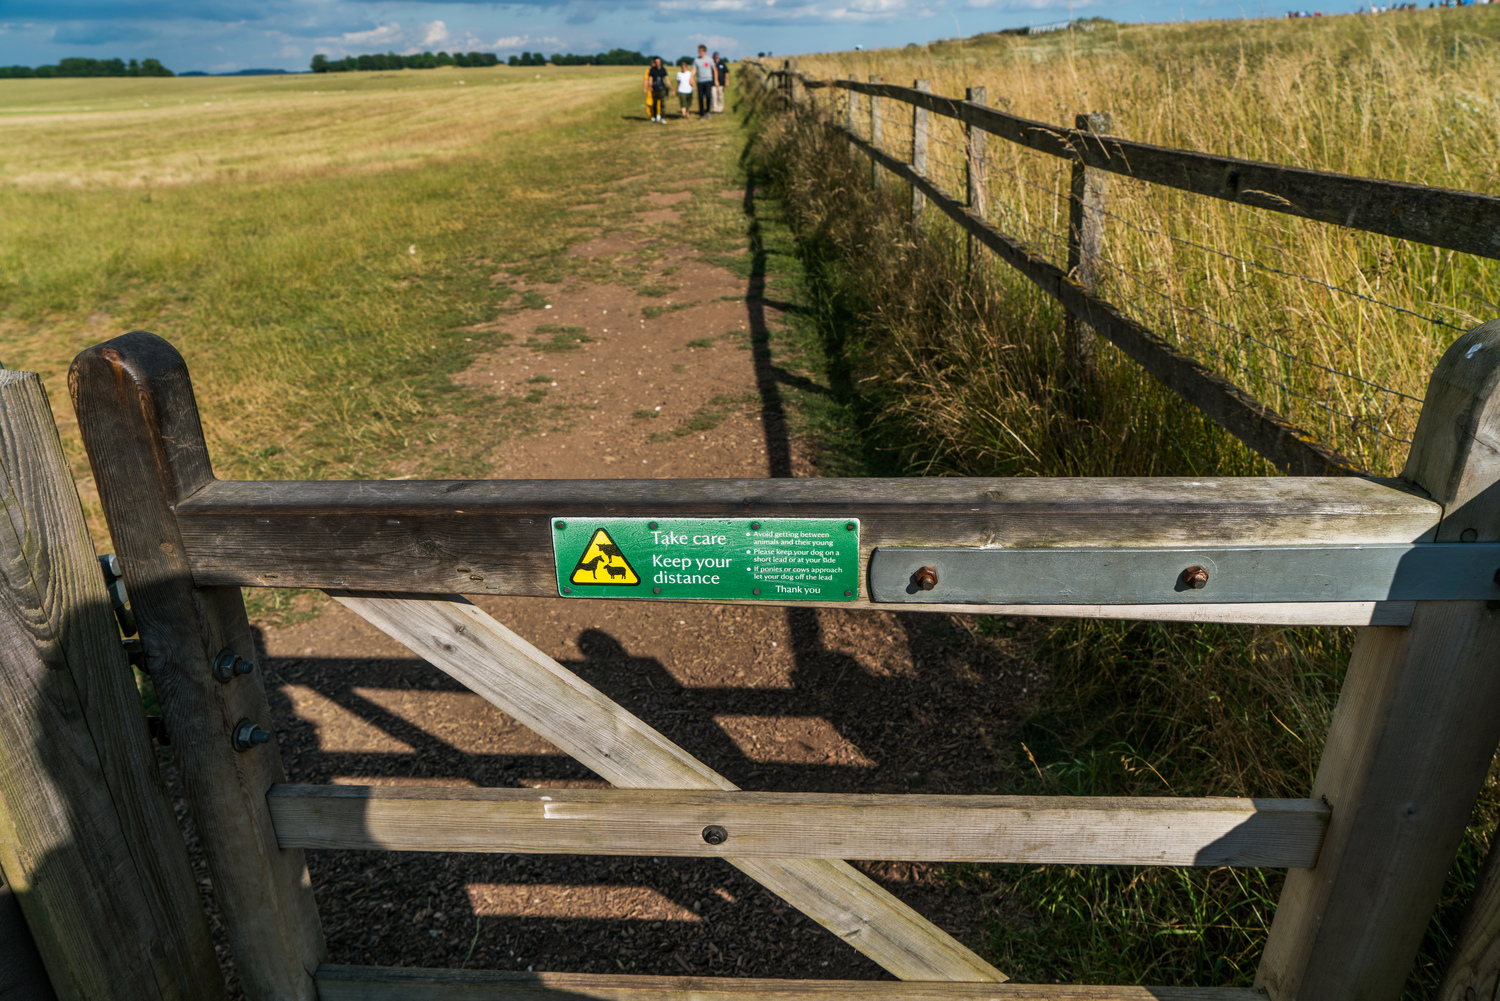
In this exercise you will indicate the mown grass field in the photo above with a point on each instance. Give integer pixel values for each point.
(964, 371)
(314, 245)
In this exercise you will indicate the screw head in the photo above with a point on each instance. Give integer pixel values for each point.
(715, 835)
(567, 590)
(656, 590)
(850, 526)
(651, 525)
(561, 525)
(755, 590)
(848, 594)
(755, 526)
(926, 578)
(1195, 578)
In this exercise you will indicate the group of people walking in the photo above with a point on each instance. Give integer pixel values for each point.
(706, 77)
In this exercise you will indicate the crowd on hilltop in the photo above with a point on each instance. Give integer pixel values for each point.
(706, 76)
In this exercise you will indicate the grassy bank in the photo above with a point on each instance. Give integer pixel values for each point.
(961, 370)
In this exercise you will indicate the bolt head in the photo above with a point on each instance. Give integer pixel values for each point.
(926, 578)
(1194, 578)
(715, 835)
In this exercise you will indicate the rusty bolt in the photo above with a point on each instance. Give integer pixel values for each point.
(925, 578)
(1194, 577)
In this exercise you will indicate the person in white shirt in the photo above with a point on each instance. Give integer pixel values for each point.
(684, 88)
(707, 73)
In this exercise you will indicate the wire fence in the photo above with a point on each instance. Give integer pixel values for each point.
(1331, 327)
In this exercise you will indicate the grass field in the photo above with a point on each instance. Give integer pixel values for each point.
(964, 372)
(315, 245)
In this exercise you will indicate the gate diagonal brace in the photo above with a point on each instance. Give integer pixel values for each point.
(482, 654)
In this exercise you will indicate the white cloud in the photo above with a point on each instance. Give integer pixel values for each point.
(436, 33)
(385, 34)
(716, 43)
(511, 42)
(291, 52)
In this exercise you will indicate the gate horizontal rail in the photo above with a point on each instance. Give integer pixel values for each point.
(1069, 830)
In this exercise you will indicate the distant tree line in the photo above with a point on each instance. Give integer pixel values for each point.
(391, 61)
(614, 57)
(79, 66)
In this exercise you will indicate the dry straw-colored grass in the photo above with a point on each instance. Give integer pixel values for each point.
(1408, 96)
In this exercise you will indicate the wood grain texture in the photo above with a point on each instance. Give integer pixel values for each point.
(87, 835)
(541, 694)
(1286, 446)
(493, 536)
(140, 426)
(371, 983)
(1020, 829)
(1442, 217)
(1472, 972)
(1414, 732)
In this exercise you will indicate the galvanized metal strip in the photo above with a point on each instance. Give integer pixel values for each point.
(1414, 572)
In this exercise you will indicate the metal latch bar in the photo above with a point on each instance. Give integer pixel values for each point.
(1211, 575)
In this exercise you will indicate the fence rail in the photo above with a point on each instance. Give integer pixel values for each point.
(1441, 217)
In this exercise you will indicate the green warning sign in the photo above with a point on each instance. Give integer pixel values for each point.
(734, 559)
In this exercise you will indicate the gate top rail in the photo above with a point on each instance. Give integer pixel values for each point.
(1465, 221)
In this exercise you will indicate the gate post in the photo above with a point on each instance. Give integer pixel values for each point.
(88, 841)
(140, 427)
(1414, 732)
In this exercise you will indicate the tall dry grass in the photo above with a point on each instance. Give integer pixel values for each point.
(1268, 300)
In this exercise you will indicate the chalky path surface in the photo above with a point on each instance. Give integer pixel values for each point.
(677, 385)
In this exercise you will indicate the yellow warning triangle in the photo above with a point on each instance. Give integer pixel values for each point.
(603, 563)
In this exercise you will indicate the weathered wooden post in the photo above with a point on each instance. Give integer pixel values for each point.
(1085, 239)
(1414, 732)
(876, 127)
(88, 840)
(919, 150)
(975, 172)
(1473, 969)
(140, 426)
(853, 106)
(794, 84)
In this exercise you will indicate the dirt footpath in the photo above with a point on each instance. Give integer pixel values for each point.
(680, 385)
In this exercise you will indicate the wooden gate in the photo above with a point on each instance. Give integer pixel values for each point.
(1413, 561)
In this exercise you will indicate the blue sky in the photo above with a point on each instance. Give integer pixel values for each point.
(227, 35)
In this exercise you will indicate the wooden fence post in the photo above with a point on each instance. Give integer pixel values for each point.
(1473, 969)
(853, 107)
(975, 172)
(876, 127)
(140, 427)
(88, 840)
(919, 150)
(1085, 239)
(1414, 732)
(794, 84)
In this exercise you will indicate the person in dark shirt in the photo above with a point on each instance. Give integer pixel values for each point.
(721, 77)
(656, 90)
